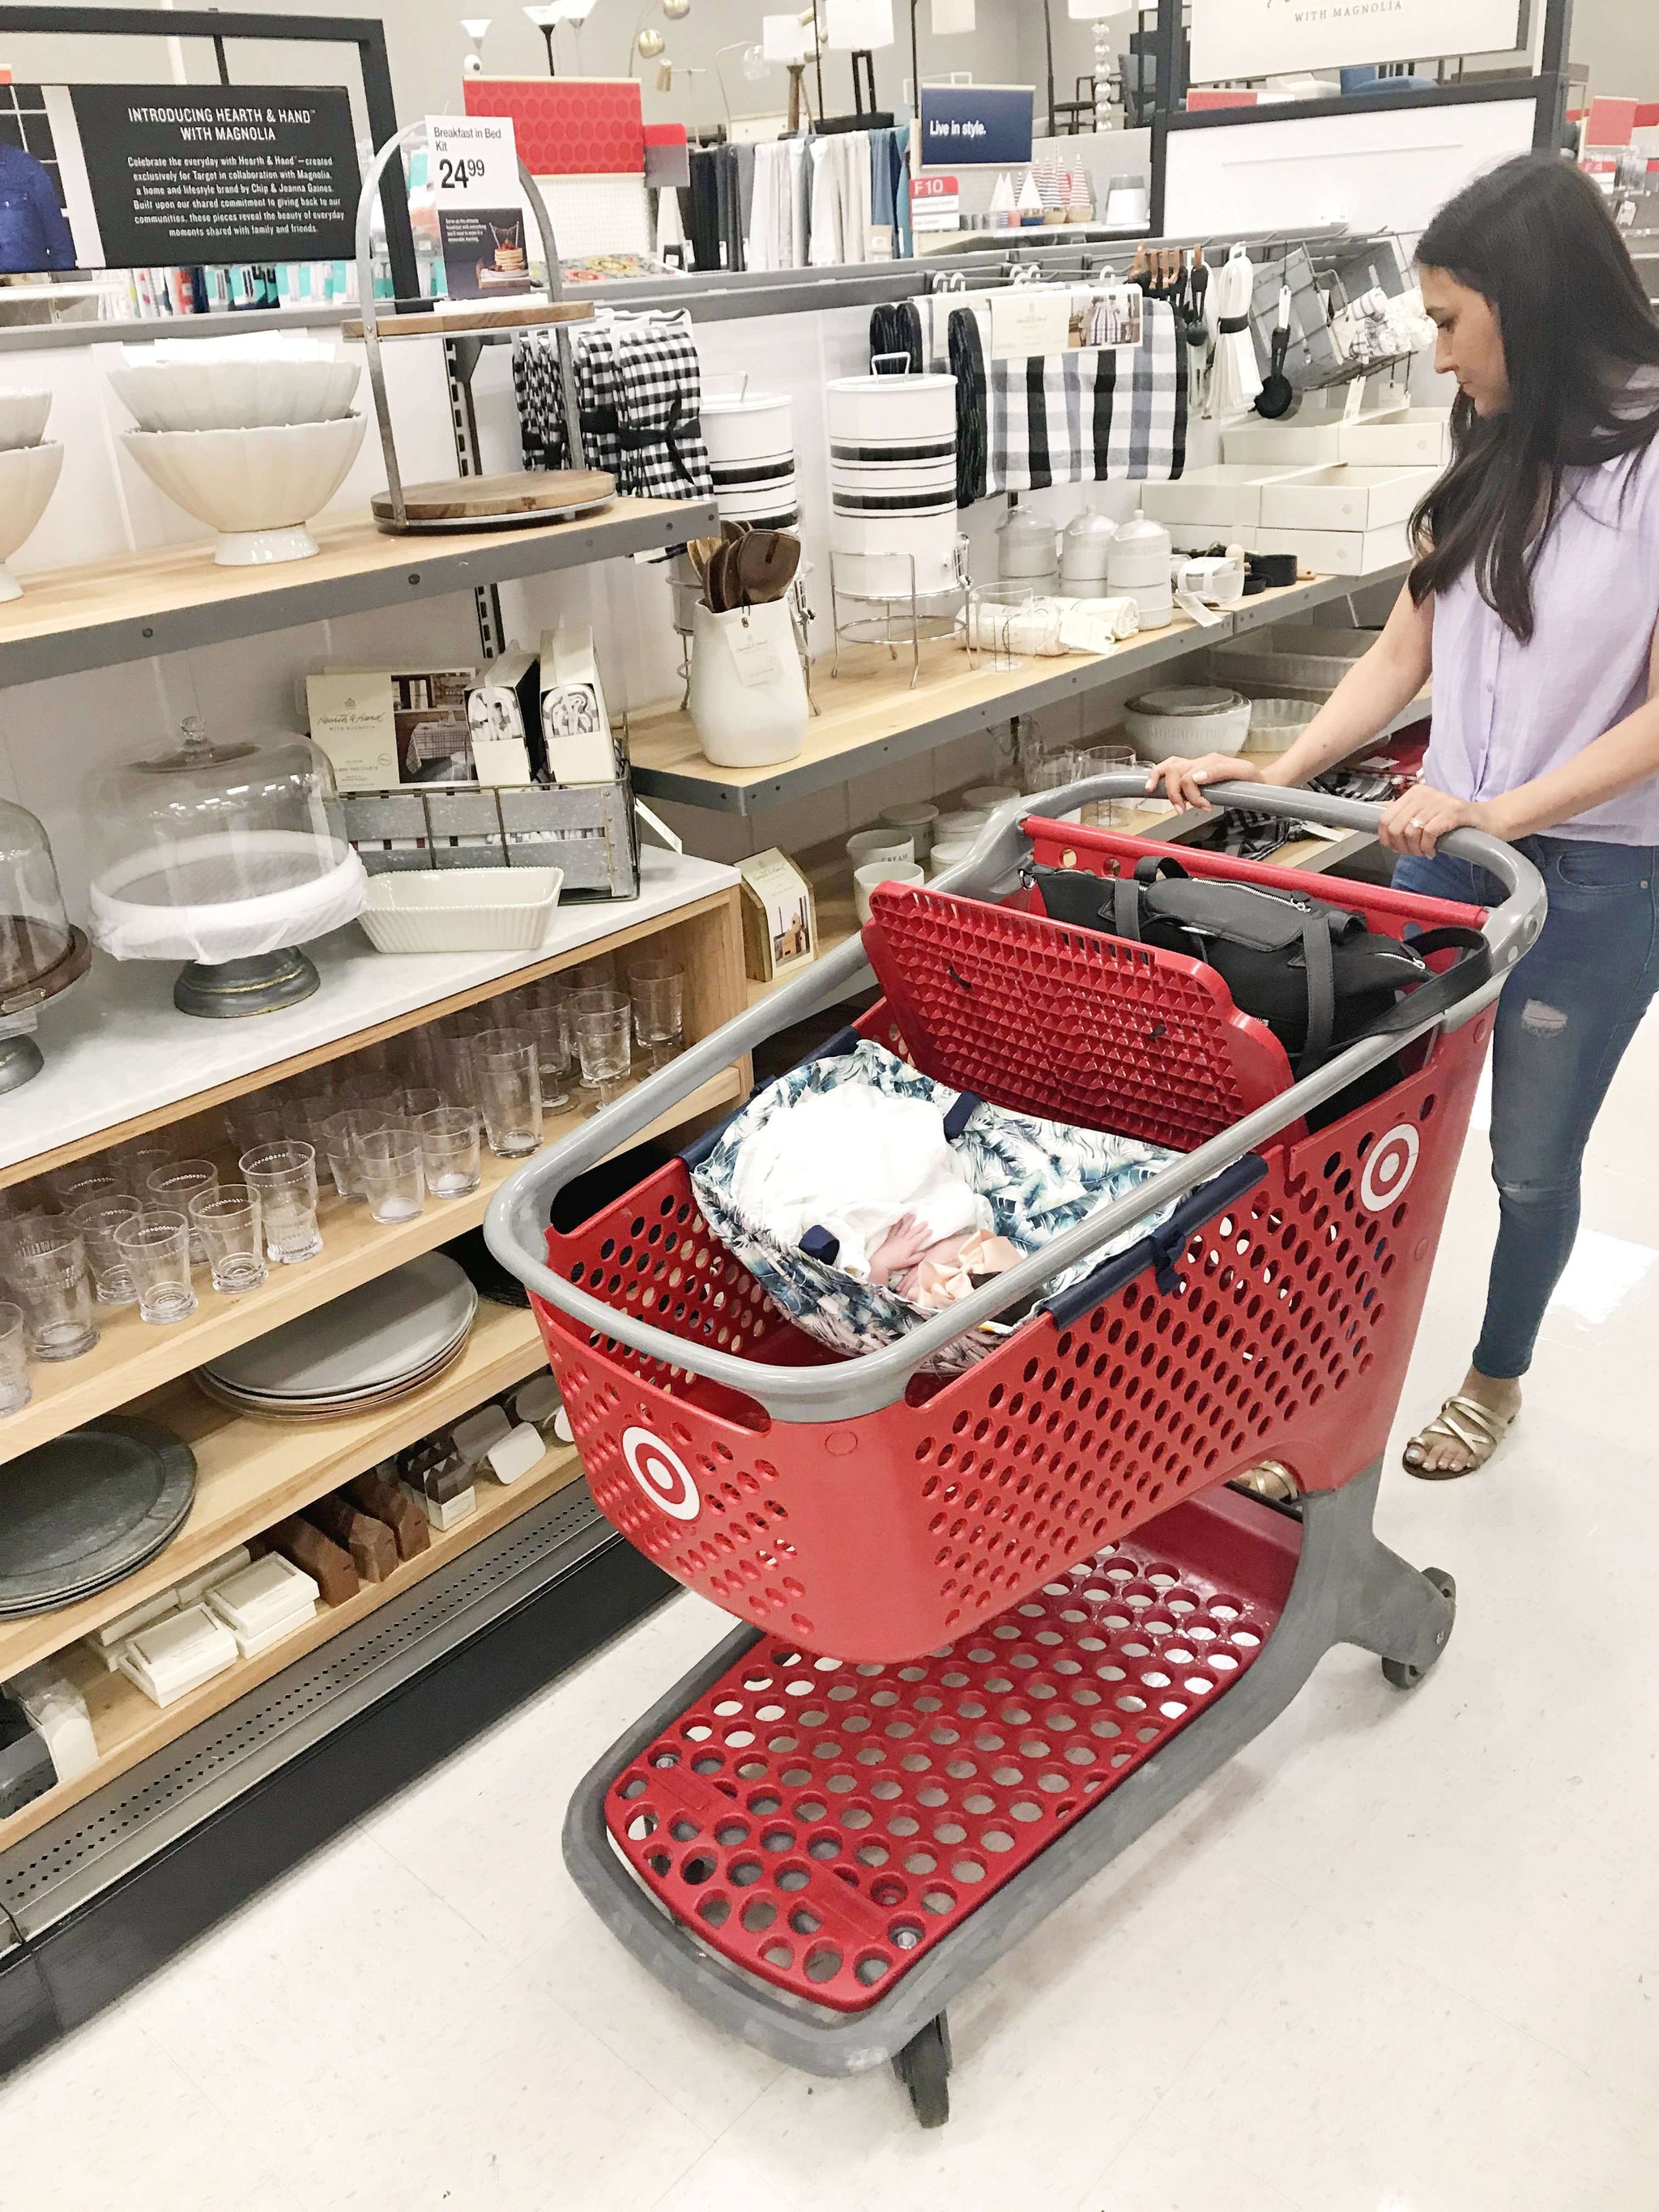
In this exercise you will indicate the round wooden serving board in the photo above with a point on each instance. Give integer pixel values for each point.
(515, 495)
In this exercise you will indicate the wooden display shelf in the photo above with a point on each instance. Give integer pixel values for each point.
(127, 1727)
(251, 1472)
(172, 598)
(117, 1035)
(468, 321)
(133, 1357)
(870, 715)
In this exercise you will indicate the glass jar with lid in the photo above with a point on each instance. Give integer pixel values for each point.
(221, 854)
(40, 954)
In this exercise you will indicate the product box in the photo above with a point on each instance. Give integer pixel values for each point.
(352, 722)
(575, 726)
(382, 727)
(503, 709)
(780, 917)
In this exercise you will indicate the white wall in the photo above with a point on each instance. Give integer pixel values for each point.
(1618, 41)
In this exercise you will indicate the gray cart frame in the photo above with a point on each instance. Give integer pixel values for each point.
(1348, 1586)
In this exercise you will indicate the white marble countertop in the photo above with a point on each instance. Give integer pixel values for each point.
(115, 1046)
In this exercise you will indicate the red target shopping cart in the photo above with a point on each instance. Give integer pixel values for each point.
(998, 1621)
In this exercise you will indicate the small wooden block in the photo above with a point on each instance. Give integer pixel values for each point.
(528, 492)
(328, 1567)
(387, 1502)
(372, 1547)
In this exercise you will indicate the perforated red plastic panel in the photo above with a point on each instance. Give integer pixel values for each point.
(822, 1826)
(1068, 1023)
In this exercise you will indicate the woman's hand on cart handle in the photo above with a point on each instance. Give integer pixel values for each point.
(1418, 820)
(1184, 778)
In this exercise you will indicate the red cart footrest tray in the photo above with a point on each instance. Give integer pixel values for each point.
(822, 1826)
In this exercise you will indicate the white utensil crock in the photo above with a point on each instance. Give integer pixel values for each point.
(748, 703)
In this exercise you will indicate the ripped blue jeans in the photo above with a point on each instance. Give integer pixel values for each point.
(1566, 1016)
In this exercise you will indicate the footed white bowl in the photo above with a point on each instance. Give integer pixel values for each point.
(257, 488)
(23, 418)
(235, 395)
(28, 476)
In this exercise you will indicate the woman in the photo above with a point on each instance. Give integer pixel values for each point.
(1534, 601)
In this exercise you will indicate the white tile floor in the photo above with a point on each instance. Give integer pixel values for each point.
(1400, 1956)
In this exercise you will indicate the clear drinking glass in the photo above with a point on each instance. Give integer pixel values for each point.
(46, 1262)
(600, 971)
(555, 1053)
(331, 1138)
(1106, 760)
(589, 999)
(603, 1041)
(226, 1221)
(156, 1245)
(508, 1080)
(283, 1178)
(135, 1163)
(449, 1151)
(15, 1391)
(98, 1221)
(389, 1162)
(418, 1099)
(84, 1185)
(657, 988)
(175, 1186)
(254, 1121)
(1053, 772)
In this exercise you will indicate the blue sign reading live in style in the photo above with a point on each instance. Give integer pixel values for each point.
(976, 125)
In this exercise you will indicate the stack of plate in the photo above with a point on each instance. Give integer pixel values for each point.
(372, 1345)
(750, 439)
(87, 1510)
(893, 483)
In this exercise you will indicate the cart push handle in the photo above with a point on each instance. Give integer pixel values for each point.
(516, 1223)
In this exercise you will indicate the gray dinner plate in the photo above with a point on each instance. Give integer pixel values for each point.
(366, 1339)
(80, 1513)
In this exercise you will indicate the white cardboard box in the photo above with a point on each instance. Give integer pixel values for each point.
(1344, 498)
(1410, 437)
(1303, 441)
(1340, 552)
(1226, 499)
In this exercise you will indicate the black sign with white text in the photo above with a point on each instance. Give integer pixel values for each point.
(197, 174)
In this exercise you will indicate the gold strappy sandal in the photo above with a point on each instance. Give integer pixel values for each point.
(1464, 1421)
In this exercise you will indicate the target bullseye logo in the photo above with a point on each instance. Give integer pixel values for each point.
(1392, 1163)
(661, 1473)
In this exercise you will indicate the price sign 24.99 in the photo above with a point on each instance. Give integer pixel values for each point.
(480, 209)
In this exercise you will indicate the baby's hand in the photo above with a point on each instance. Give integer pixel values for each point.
(900, 1250)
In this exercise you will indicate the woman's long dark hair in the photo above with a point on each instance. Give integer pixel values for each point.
(1534, 237)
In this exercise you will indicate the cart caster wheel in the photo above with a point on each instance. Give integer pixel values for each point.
(924, 2067)
(1405, 1677)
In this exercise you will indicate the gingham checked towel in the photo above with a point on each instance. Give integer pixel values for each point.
(540, 398)
(659, 399)
(1091, 413)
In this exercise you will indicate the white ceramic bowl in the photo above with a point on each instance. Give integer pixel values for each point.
(1276, 724)
(257, 488)
(23, 418)
(28, 476)
(1190, 719)
(235, 395)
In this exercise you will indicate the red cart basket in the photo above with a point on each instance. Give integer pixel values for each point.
(999, 1620)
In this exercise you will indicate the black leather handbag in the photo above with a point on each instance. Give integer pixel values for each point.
(1313, 973)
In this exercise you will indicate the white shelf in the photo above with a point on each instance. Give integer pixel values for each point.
(116, 1048)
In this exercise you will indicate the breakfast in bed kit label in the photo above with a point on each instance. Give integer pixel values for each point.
(474, 177)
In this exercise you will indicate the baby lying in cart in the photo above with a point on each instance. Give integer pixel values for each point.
(865, 1197)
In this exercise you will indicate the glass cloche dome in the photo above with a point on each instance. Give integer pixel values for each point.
(220, 855)
(40, 954)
